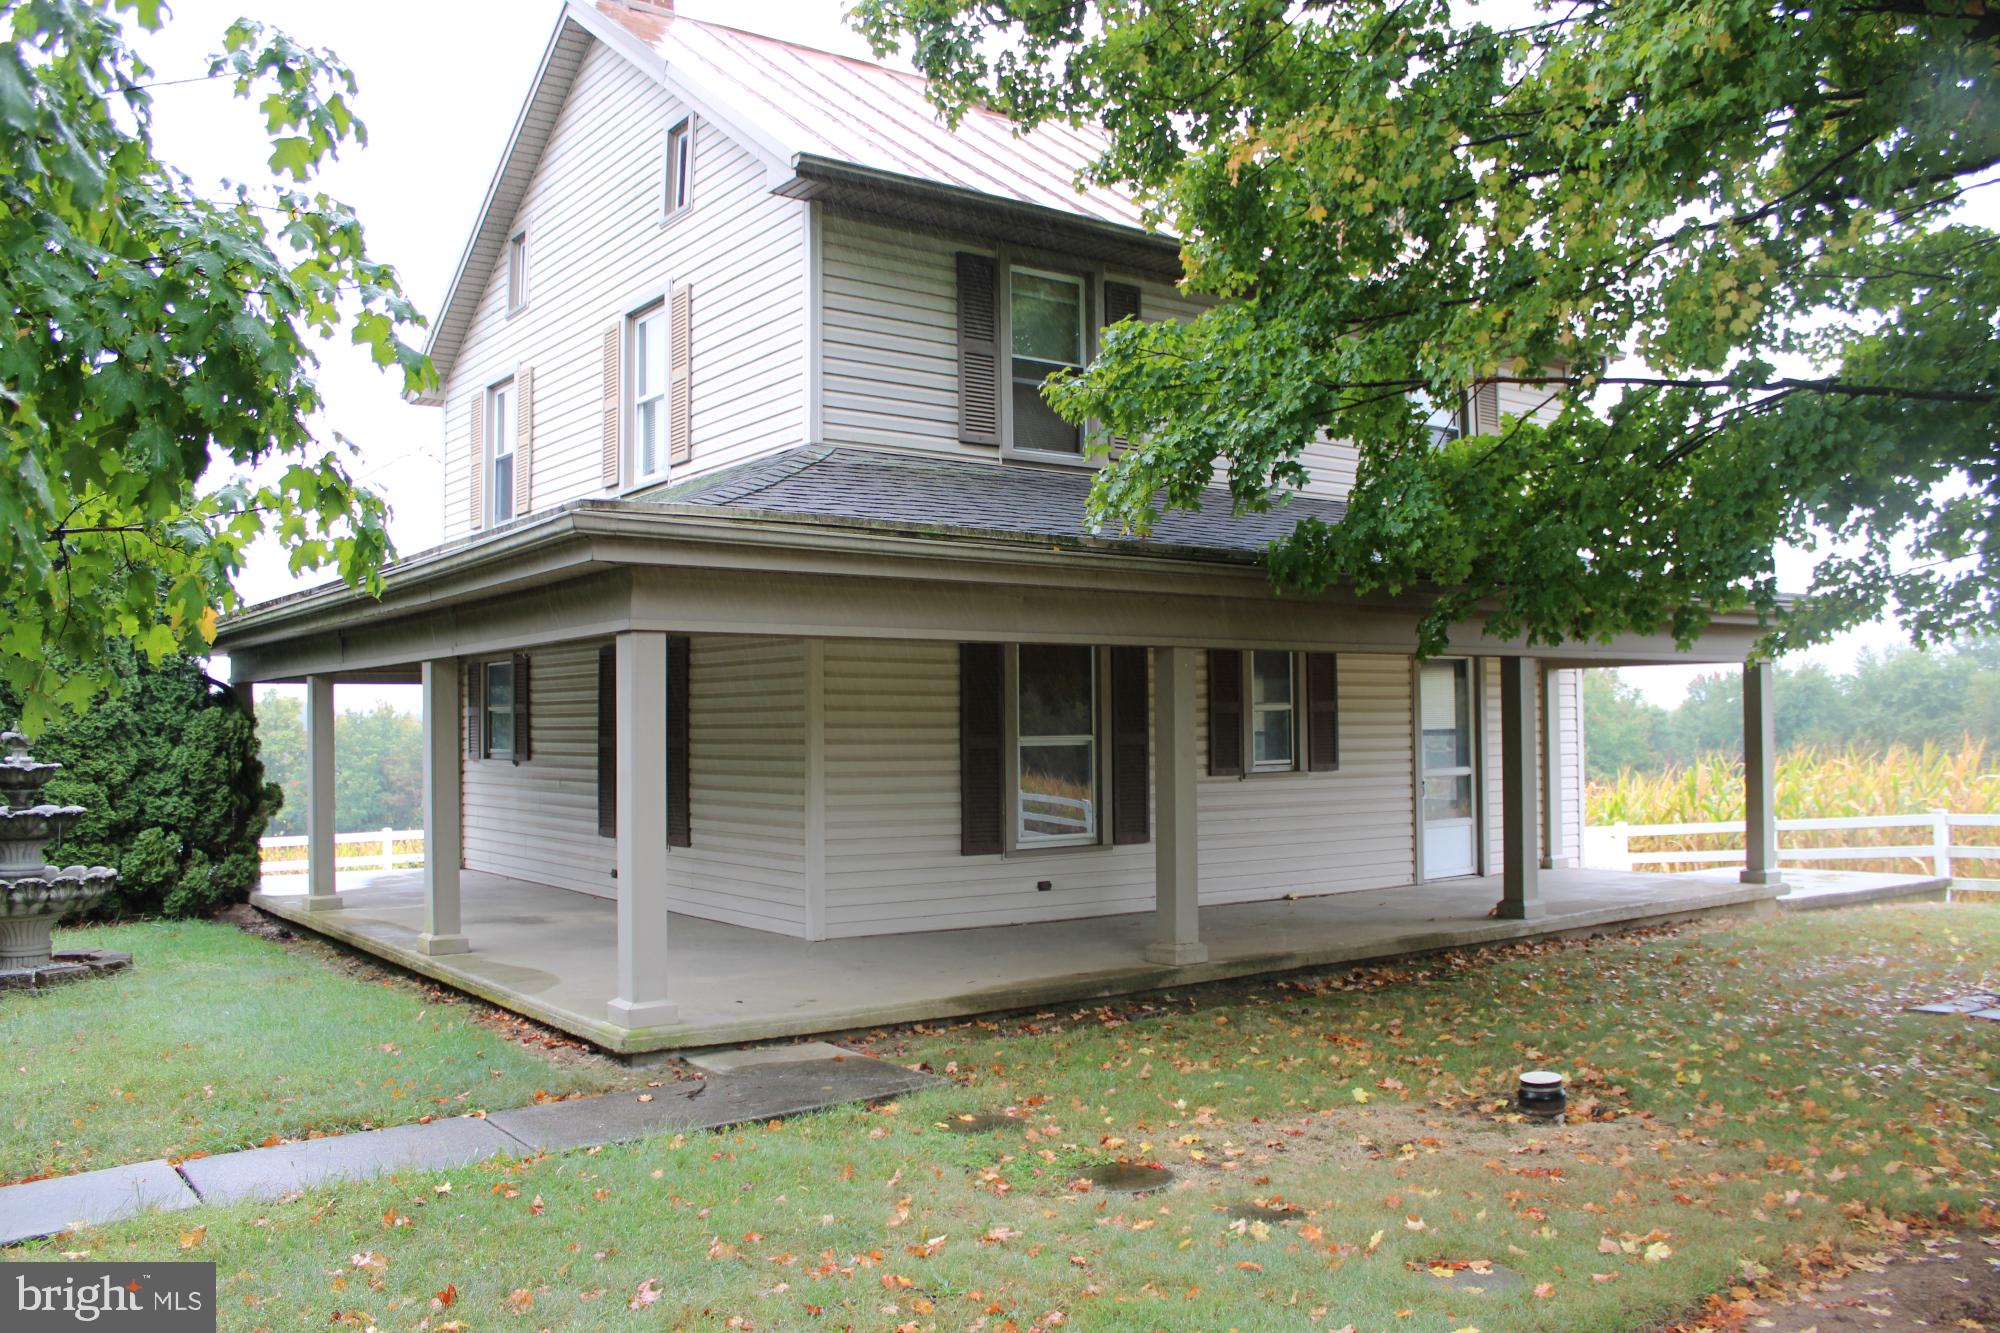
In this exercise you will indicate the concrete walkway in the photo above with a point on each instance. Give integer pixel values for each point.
(772, 1088)
(1816, 890)
(547, 952)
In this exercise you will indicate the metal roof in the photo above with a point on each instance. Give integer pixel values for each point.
(927, 492)
(816, 103)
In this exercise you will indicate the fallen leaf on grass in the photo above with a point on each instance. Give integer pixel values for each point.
(647, 1292)
(190, 1239)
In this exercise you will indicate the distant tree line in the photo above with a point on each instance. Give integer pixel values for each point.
(1903, 696)
(378, 777)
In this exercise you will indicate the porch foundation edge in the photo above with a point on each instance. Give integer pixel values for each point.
(1141, 976)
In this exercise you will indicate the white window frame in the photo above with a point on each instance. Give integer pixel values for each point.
(677, 176)
(503, 436)
(1018, 840)
(1087, 283)
(657, 308)
(517, 271)
(487, 710)
(1444, 424)
(1255, 710)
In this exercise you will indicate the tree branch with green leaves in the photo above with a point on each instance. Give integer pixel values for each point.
(1719, 246)
(156, 384)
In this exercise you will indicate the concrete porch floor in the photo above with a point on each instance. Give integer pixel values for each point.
(547, 953)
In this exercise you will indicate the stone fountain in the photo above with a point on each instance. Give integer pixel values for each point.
(33, 894)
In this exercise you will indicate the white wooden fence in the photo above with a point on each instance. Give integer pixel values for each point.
(1610, 846)
(351, 851)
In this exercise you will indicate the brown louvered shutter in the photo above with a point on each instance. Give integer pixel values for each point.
(607, 447)
(1322, 712)
(475, 713)
(1485, 409)
(680, 370)
(981, 718)
(607, 741)
(523, 746)
(680, 809)
(978, 350)
(478, 452)
(1225, 712)
(524, 440)
(1131, 815)
(1121, 301)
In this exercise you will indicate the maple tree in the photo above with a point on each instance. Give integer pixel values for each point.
(1719, 247)
(157, 388)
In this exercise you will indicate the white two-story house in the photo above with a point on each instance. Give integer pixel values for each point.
(767, 601)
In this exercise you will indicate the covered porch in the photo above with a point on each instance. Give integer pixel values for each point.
(550, 954)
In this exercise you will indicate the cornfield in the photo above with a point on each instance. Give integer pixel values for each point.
(1816, 783)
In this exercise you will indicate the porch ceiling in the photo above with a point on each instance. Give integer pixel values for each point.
(548, 953)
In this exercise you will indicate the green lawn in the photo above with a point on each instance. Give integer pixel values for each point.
(216, 1039)
(1767, 1102)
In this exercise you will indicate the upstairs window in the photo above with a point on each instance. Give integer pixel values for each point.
(680, 167)
(1445, 421)
(649, 393)
(1046, 315)
(500, 440)
(517, 271)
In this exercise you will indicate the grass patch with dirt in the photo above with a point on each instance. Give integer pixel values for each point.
(215, 1039)
(1752, 1097)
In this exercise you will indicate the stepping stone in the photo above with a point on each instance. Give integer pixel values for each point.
(727, 1062)
(759, 1092)
(45, 1207)
(976, 1122)
(1495, 1281)
(1992, 1015)
(1261, 1212)
(266, 1173)
(1965, 1004)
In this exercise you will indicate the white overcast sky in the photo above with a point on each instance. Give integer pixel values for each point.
(440, 86)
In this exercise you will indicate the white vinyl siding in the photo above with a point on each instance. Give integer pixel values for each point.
(593, 210)
(892, 816)
(537, 820)
(746, 785)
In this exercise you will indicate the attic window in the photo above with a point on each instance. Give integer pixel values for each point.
(517, 271)
(680, 167)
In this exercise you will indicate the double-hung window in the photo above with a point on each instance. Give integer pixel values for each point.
(1273, 712)
(680, 167)
(649, 333)
(1046, 317)
(1055, 774)
(499, 708)
(500, 440)
(1445, 421)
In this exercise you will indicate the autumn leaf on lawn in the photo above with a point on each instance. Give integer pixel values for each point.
(1544, 1290)
(190, 1239)
(999, 1235)
(520, 1300)
(447, 1298)
(1658, 1251)
(647, 1292)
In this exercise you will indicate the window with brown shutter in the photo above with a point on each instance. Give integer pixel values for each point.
(607, 741)
(523, 748)
(524, 441)
(1131, 754)
(612, 408)
(981, 722)
(475, 714)
(978, 350)
(1225, 712)
(680, 812)
(1322, 712)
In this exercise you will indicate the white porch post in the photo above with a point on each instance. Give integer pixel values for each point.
(1760, 778)
(641, 998)
(1521, 859)
(443, 930)
(320, 894)
(1552, 784)
(1176, 873)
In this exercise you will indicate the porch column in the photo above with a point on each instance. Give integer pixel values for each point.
(1552, 784)
(1521, 858)
(1760, 778)
(320, 895)
(641, 667)
(443, 842)
(1176, 873)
